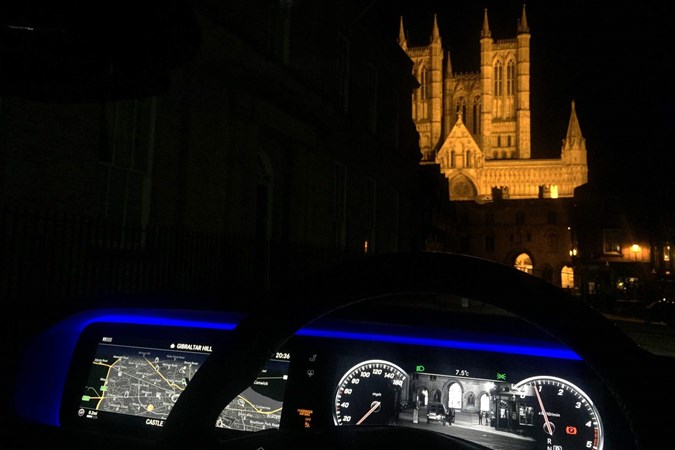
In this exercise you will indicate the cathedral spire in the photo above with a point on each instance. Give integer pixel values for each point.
(401, 36)
(435, 35)
(448, 64)
(574, 146)
(485, 32)
(574, 137)
(522, 23)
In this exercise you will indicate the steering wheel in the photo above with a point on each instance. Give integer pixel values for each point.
(566, 318)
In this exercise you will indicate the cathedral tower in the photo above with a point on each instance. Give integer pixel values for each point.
(428, 99)
(476, 126)
(523, 140)
(505, 82)
(486, 84)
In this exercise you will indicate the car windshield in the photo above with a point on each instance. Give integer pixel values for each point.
(204, 156)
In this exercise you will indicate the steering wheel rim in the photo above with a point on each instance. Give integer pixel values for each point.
(551, 309)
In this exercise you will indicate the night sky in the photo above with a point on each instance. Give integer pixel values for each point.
(615, 62)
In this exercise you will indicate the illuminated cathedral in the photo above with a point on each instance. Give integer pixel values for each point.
(475, 134)
(476, 126)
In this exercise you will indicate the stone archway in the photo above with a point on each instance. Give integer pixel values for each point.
(523, 262)
(455, 396)
(462, 188)
(567, 277)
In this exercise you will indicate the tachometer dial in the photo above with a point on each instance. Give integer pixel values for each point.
(559, 413)
(369, 393)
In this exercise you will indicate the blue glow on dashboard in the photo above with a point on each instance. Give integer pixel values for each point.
(55, 348)
(134, 319)
(529, 350)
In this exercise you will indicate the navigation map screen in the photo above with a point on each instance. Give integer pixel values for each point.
(143, 378)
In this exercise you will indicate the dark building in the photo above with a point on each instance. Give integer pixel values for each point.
(532, 235)
(283, 144)
(622, 249)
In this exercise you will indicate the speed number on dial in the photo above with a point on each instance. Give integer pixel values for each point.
(369, 393)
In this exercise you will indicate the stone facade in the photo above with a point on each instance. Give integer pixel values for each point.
(476, 126)
(492, 198)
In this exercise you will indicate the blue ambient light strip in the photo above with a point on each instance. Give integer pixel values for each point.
(166, 321)
(529, 350)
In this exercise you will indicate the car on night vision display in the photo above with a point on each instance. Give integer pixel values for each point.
(438, 412)
(355, 354)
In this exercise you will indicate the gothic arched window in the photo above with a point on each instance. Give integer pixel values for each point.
(455, 396)
(498, 79)
(567, 277)
(510, 78)
(475, 128)
(425, 83)
(524, 262)
(461, 108)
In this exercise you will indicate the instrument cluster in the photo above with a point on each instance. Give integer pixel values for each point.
(522, 395)
(494, 387)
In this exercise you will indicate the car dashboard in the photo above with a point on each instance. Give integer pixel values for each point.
(504, 384)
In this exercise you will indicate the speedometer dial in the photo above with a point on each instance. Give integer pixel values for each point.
(369, 393)
(561, 415)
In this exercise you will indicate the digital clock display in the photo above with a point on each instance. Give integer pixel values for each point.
(282, 355)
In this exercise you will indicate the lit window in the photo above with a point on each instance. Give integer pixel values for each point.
(524, 263)
(611, 242)
(554, 191)
(591, 288)
(548, 191)
(567, 277)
